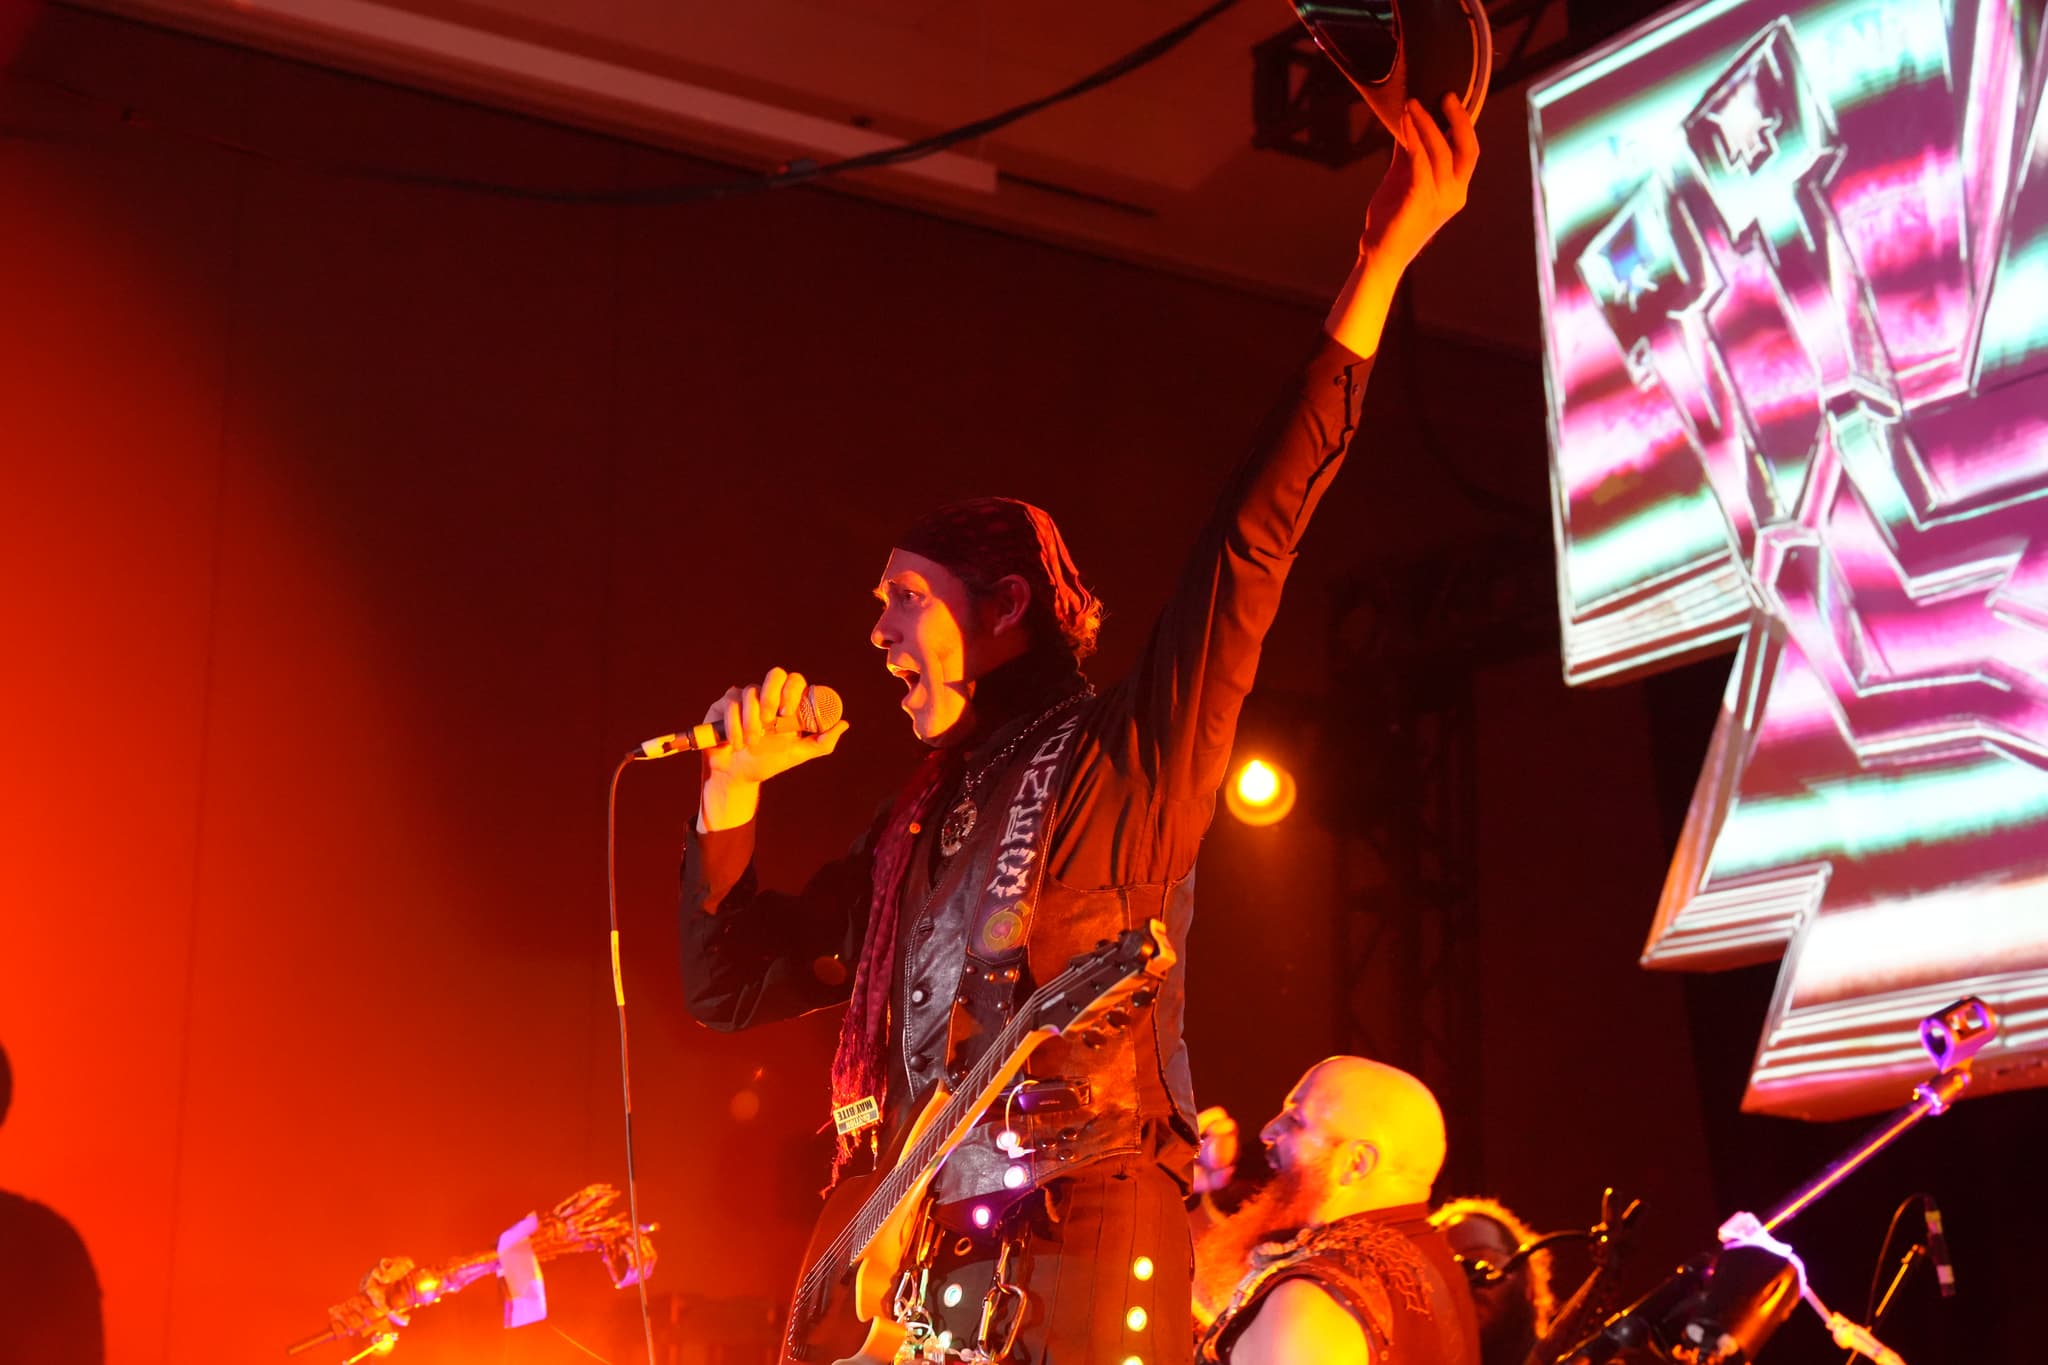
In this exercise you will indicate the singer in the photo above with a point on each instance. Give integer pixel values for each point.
(1047, 816)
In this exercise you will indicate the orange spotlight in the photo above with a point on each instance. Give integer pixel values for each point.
(1262, 793)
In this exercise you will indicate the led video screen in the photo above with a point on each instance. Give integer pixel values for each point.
(1794, 264)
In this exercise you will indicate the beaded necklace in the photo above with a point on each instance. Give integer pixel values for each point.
(958, 826)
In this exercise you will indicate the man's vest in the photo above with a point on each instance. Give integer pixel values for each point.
(1392, 1271)
(994, 924)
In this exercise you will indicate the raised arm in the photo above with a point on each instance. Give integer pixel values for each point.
(1200, 664)
(1423, 189)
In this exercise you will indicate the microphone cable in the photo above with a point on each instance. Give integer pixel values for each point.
(1871, 1307)
(797, 171)
(611, 897)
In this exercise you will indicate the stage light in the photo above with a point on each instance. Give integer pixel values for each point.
(1262, 793)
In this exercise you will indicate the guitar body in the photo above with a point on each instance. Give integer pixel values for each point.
(843, 1306)
(853, 1322)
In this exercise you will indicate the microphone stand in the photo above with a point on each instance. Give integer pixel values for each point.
(1953, 1038)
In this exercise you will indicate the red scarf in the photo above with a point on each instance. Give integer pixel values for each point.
(857, 1071)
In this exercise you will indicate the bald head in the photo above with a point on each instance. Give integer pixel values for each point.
(1377, 1128)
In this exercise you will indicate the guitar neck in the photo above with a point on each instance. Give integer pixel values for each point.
(978, 1091)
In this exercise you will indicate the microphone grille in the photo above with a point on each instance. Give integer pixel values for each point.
(819, 711)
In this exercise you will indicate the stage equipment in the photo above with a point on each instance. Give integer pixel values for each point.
(1607, 1247)
(1937, 1247)
(1877, 1307)
(1720, 1308)
(1790, 260)
(1393, 51)
(819, 710)
(1303, 105)
(1262, 793)
(863, 1283)
(1395, 780)
(396, 1287)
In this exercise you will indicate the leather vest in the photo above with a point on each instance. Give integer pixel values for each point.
(970, 957)
(1392, 1271)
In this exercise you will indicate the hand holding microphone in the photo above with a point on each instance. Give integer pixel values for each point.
(754, 733)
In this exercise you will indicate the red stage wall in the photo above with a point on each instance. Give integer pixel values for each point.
(351, 530)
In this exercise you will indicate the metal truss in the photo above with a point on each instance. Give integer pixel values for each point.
(1407, 643)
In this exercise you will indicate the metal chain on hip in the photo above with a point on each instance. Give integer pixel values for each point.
(959, 823)
(987, 1352)
(924, 1345)
(910, 1308)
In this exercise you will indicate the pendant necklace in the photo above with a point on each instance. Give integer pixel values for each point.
(959, 823)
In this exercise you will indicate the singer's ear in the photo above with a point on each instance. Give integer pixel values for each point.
(1009, 602)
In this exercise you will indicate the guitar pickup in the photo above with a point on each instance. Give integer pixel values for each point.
(1051, 1097)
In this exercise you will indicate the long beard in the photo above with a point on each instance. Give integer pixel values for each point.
(1223, 1256)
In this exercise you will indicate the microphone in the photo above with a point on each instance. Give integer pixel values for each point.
(818, 711)
(1937, 1247)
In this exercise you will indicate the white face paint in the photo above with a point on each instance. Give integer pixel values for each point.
(928, 632)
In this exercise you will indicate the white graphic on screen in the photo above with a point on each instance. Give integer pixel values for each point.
(1796, 280)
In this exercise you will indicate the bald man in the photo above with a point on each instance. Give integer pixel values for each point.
(1335, 1261)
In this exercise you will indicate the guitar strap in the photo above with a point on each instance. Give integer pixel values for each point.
(999, 930)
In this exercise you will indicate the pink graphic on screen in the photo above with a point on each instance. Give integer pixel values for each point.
(1795, 285)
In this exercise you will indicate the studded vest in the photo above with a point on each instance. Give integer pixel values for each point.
(994, 923)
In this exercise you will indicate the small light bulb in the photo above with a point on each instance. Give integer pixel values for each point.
(1142, 1268)
(982, 1216)
(1262, 793)
(1135, 1319)
(1014, 1178)
(951, 1298)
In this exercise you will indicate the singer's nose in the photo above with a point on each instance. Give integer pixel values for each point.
(881, 637)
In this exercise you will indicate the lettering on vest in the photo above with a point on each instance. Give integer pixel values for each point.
(1023, 826)
(1011, 877)
(1037, 784)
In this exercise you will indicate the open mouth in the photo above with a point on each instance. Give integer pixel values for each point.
(913, 689)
